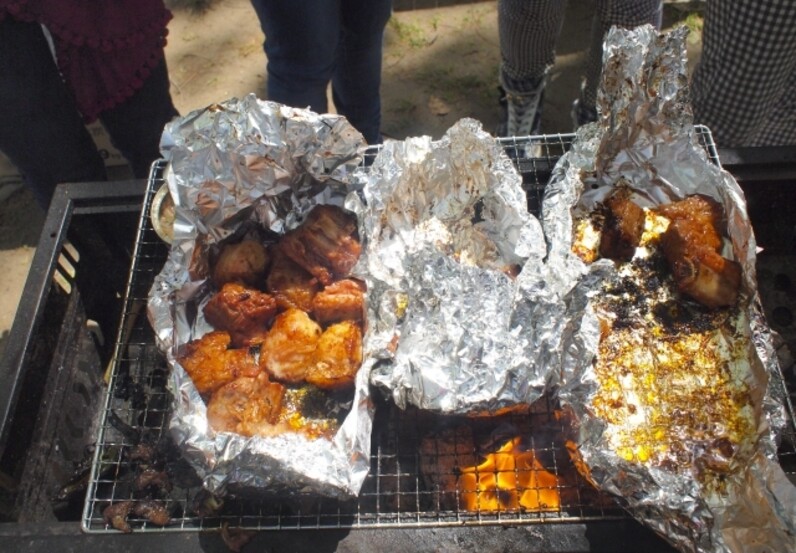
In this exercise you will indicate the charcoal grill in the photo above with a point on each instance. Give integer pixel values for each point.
(404, 502)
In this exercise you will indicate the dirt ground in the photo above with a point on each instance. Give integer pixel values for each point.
(440, 64)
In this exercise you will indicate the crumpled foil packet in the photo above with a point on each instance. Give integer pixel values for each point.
(463, 319)
(645, 137)
(243, 162)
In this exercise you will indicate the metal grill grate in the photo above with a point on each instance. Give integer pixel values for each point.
(418, 476)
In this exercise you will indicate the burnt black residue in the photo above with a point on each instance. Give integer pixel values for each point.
(626, 300)
(632, 298)
(680, 316)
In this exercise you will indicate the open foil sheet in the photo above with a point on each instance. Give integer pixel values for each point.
(681, 426)
(232, 165)
(465, 322)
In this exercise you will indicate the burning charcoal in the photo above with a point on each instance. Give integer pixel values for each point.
(154, 511)
(442, 454)
(151, 478)
(116, 514)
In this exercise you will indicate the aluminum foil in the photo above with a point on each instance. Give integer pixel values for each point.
(646, 138)
(238, 163)
(465, 323)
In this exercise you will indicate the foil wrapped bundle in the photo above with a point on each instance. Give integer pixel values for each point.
(672, 405)
(465, 323)
(238, 163)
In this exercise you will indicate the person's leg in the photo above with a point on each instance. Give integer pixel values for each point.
(780, 127)
(528, 31)
(743, 86)
(623, 13)
(41, 130)
(301, 40)
(357, 76)
(135, 126)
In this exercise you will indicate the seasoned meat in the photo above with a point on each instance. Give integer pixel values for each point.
(244, 312)
(210, 363)
(623, 226)
(290, 284)
(692, 246)
(326, 244)
(337, 357)
(151, 478)
(248, 406)
(343, 300)
(154, 511)
(244, 262)
(116, 515)
(288, 350)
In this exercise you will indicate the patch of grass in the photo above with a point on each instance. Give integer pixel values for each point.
(694, 22)
(403, 106)
(450, 85)
(435, 78)
(474, 17)
(408, 33)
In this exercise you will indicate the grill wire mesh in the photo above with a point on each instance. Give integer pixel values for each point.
(425, 468)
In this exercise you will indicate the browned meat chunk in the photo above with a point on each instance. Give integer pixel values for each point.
(210, 363)
(692, 246)
(151, 478)
(244, 262)
(624, 224)
(154, 511)
(290, 284)
(326, 244)
(247, 406)
(116, 515)
(288, 350)
(343, 300)
(243, 312)
(337, 357)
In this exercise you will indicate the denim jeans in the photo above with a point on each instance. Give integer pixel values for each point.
(310, 43)
(44, 135)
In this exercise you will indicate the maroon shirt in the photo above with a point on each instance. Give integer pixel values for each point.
(105, 49)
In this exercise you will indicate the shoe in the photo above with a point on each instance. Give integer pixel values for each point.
(582, 115)
(523, 111)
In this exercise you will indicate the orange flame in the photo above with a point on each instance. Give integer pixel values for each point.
(509, 479)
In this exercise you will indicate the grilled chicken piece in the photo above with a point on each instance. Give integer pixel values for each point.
(289, 348)
(337, 357)
(343, 300)
(154, 511)
(154, 479)
(244, 262)
(624, 224)
(326, 244)
(290, 284)
(116, 515)
(243, 312)
(210, 363)
(692, 246)
(247, 406)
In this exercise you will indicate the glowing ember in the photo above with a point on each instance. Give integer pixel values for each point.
(509, 479)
